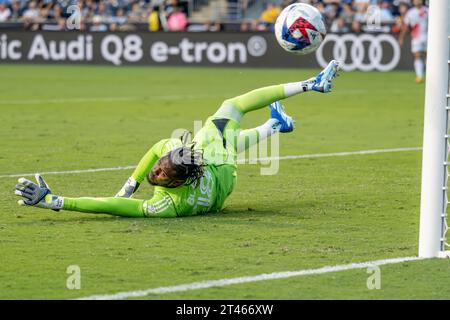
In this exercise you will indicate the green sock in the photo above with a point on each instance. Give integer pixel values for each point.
(257, 99)
(236, 107)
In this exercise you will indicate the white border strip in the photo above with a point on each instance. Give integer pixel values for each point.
(304, 156)
(262, 277)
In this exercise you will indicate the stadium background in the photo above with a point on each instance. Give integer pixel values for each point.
(328, 211)
(246, 25)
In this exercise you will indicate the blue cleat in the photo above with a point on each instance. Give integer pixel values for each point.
(323, 81)
(277, 112)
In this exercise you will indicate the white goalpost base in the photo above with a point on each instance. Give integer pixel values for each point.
(436, 140)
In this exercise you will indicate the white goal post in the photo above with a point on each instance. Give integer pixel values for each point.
(436, 139)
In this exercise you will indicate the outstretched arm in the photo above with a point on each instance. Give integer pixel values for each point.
(39, 195)
(160, 206)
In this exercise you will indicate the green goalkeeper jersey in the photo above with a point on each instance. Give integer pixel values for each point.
(219, 140)
(208, 195)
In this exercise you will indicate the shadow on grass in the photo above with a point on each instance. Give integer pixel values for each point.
(226, 215)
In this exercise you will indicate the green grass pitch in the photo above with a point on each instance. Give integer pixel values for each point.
(315, 212)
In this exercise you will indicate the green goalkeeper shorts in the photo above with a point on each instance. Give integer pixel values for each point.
(218, 141)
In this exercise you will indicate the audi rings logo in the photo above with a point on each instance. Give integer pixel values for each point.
(353, 56)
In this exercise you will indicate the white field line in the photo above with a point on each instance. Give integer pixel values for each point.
(18, 175)
(261, 277)
(336, 154)
(304, 156)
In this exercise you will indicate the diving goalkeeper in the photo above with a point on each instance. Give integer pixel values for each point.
(189, 178)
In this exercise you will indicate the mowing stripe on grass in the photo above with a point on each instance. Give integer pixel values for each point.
(304, 156)
(107, 99)
(65, 100)
(261, 277)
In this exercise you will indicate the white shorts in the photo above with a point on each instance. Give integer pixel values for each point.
(418, 46)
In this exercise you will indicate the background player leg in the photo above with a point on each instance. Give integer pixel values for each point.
(419, 66)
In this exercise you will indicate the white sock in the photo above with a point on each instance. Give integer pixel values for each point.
(250, 137)
(419, 66)
(269, 128)
(293, 88)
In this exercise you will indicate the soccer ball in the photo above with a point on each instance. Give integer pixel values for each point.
(300, 28)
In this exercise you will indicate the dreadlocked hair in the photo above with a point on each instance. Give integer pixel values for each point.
(188, 164)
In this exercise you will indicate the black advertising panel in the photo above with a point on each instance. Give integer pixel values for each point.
(363, 52)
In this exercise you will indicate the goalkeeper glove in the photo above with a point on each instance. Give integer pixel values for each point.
(128, 189)
(38, 195)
